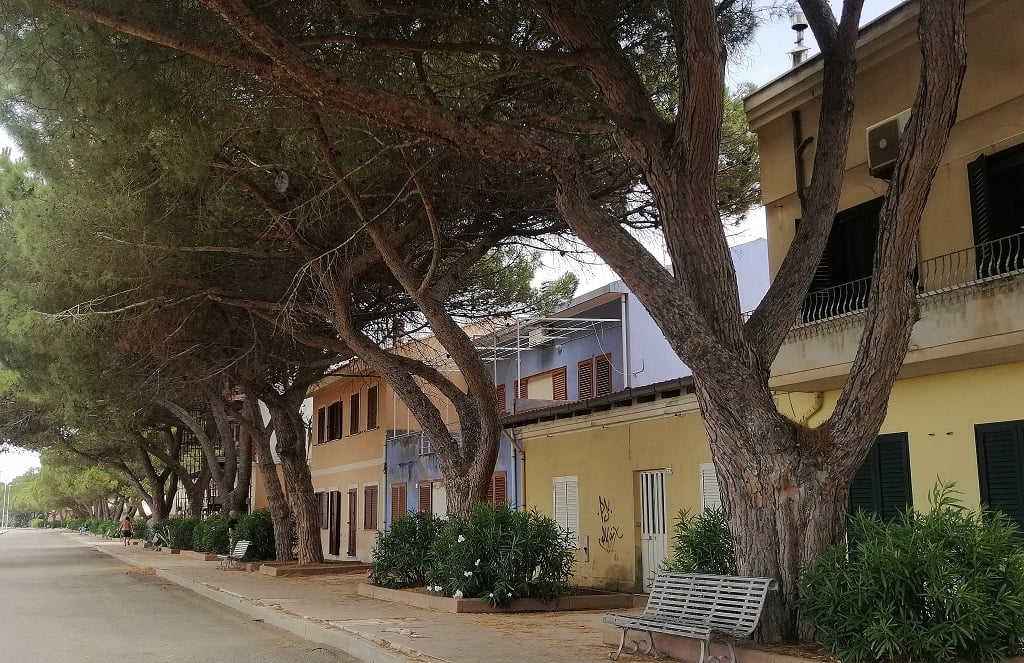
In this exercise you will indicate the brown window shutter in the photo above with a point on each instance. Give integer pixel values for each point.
(585, 372)
(500, 391)
(499, 489)
(325, 514)
(558, 388)
(371, 408)
(523, 388)
(321, 425)
(370, 507)
(603, 374)
(353, 414)
(399, 500)
(425, 504)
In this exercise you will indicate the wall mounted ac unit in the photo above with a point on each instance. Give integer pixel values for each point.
(883, 143)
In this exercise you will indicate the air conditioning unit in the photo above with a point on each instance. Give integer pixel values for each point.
(538, 337)
(884, 142)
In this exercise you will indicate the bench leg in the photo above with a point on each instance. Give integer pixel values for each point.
(622, 643)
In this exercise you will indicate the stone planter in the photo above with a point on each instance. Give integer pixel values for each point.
(595, 601)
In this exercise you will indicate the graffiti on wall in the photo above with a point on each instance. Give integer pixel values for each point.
(609, 532)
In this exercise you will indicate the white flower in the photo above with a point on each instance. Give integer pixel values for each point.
(457, 594)
(462, 539)
(478, 562)
(491, 595)
(467, 573)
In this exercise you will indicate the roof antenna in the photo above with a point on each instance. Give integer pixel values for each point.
(798, 22)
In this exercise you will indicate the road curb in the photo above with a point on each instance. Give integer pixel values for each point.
(311, 630)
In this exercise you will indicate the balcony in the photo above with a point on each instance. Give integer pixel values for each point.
(972, 314)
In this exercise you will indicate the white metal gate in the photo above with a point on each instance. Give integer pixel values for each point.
(653, 538)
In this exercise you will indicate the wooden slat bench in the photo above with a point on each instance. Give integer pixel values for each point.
(233, 558)
(696, 606)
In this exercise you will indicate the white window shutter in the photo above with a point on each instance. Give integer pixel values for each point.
(567, 505)
(710, 495)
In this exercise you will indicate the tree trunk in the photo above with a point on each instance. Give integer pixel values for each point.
(291, 447)
(280, 513)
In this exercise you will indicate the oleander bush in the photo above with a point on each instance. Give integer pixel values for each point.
(496, 554)
(257, 527)
(401, 556)
(37, 522)
(701, 543)
(211, 535)
(943, 586)
(499, 554)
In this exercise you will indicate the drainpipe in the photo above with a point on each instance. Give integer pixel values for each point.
(521, 474)
(816, 405)
(625, 346)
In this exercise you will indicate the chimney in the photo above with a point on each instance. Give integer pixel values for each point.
(798, 22)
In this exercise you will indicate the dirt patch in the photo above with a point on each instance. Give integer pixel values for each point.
(809, 650)
(142, 571)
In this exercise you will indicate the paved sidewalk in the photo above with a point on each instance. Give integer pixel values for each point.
(327, 610)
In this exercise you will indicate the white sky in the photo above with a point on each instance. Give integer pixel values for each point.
(766, 59)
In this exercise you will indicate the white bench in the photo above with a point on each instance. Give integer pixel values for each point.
(696, 606)
(233, 558)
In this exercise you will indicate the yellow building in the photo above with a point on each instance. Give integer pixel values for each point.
(956, 412)
(617, 470)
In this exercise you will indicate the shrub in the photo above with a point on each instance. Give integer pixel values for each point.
(701, 543)
(257, 527)
(499, 554)
(211, 535)
(178, 532)
(401, 556)
(36, 522)
(937, 587)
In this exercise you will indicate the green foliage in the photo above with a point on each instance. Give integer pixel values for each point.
(211, 535)
(179, 532)
(701, 543)
(401, 557)
(499, 554)
(36, 522)
(943, 586)
(257, 527)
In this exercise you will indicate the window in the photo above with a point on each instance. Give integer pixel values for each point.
(567, 505)
(843, 277)
(559, 391)
(603, 375)
(497, 491)
(996, 184)
(334, 415)
(424, 501)
(522, 388)
(710, 494)
(1001, 467)
(501, 398)
(585, 373)
(399, 500)
(426, 448)
(321, 425)
(371, 408)
(370, 507)
(353, 414)
(882, 484)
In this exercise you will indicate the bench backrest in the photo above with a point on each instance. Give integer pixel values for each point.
(240, 549)
(724, 603)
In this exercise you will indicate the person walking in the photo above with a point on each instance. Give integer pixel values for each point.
(126, 530)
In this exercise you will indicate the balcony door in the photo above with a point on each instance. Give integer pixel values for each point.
(997, 197)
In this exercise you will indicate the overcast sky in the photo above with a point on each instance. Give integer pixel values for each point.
(765, 60)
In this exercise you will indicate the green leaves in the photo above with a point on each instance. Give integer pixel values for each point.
(702, 544)
(934, 587)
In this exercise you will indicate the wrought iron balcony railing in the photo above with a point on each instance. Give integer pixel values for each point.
(982, 263)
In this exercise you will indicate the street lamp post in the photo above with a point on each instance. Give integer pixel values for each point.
(4, 513)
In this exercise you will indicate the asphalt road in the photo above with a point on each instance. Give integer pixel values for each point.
(62, 602)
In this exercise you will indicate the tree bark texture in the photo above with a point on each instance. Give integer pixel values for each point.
(280, 512)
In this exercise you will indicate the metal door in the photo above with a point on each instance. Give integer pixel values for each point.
(351, 552)
(653, 537)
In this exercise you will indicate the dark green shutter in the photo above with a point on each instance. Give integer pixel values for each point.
(882, 484)
(1001, 467)
(981, 218)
